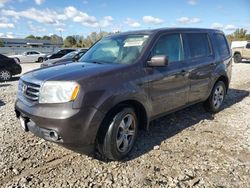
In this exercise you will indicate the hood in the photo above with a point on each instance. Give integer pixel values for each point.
(50, 61)
(67, 72)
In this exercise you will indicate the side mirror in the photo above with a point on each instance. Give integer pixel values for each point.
(158, 61)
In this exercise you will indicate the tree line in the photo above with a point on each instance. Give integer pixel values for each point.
(77, 41)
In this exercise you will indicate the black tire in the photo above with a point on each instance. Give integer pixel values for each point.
(5, 75)
(18, 59)
(237, 58)
(214, 102)
(113, 141)
(40, 59)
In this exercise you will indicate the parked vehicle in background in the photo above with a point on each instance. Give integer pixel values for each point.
(30, 57)
(240, 50)
(8, 68)
(59, 54)
(122, 83)
(68, 58)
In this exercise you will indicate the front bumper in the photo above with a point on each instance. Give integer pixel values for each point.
(75, 129)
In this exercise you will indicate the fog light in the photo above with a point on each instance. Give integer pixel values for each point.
(54, 136)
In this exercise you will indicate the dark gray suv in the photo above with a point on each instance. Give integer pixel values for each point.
(122, 83)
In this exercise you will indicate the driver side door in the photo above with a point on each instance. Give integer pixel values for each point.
(169, 86)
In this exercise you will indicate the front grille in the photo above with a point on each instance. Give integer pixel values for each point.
(29, 90)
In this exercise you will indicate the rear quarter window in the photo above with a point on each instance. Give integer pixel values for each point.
(222, 45)
(199, 45)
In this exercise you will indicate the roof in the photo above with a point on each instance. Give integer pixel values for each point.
(151, 31)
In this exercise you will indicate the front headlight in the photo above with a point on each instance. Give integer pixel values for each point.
(58, 92)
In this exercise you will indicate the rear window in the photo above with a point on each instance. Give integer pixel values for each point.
(222, 45)
(199, 45)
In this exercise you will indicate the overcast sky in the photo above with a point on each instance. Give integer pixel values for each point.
(19, 18)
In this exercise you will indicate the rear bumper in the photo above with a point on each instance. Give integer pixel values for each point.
(16, 70)
(75, 129)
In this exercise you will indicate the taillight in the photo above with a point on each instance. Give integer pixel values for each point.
(17, 61)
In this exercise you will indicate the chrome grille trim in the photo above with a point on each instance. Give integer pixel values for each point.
(29, 91)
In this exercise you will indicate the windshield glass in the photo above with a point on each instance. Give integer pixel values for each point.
(122, 49)
(70, 55)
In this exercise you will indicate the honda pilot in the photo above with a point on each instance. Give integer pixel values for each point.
(122, 83)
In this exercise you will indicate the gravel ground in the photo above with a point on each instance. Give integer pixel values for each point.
(189, 148)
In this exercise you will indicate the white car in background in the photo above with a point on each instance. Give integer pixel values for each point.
(30, 57)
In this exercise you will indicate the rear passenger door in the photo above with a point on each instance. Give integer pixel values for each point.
(201, 64)
(169, 86)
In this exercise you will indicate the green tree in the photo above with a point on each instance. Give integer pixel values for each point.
(30, 37)
(46, 37)
(70, 41)
(239, 35)
(1, 44)
(56, 39)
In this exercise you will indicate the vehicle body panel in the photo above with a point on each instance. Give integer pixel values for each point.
(159, 90)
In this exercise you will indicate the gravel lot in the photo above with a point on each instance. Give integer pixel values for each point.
(189, 148)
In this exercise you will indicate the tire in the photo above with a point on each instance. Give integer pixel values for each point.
(214, 102)
(237, 58)
(5, 75)
(40, 59)
(120, 134)
(18, 60)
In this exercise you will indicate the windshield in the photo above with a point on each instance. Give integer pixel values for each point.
(122, 49)
(70, 55)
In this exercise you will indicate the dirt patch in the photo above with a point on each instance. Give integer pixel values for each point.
(189, 148)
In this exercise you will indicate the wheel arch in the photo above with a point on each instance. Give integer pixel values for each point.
(236, 52)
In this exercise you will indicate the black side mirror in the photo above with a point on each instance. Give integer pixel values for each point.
(158, 61)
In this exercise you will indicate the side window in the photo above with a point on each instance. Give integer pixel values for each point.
(28, 53)
(248, 45)
(199, 45)
(35, 53)
(171, 46)
(222, 45)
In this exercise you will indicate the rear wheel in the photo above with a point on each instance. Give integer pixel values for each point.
(120, 136)
(237, 58)
(216, 98)
(5, 75)
(40, 59)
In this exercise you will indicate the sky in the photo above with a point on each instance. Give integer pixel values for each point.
(19, 18)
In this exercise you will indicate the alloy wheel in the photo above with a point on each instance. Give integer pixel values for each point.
(5, 75)
(126, 133)
(218, 96)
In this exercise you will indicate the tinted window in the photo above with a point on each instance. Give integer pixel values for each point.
(222, 45)
(34, 53)
(198, 45)
(248, 45)
(171, 46)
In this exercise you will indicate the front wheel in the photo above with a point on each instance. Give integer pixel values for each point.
(40, 59)
(237, 58)
(120, 135)
(216, 98)
(5, 75)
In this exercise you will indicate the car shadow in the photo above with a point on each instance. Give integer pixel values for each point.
(15, 78)
(245, 61)
(170, 125)
(4, 85)
(2, 103)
